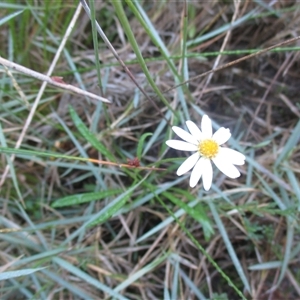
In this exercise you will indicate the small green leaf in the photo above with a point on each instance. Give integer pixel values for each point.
(141, 144)
(84, 198)
(191, 211)
(89, 136)
(197, 212)
(112, 210)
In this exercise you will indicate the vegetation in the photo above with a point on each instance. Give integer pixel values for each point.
(91, 204)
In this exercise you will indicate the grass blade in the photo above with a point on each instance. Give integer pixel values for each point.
(229, 247)
(84, 198)
(18, 273)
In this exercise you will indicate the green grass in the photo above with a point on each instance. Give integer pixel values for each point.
(78, 221)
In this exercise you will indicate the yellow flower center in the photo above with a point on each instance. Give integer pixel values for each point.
(208, 148)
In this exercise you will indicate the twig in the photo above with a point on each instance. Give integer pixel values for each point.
(50, 80)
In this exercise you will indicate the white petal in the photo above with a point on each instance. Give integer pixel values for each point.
(207, 174)
(180, 145)
(185, 135)
(230, 155)
(226, 167)
(206, 127)
(197, 172)
(188, 164)
(222, 135)
(194, 130)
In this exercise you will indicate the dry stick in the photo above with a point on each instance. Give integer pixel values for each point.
(104, 162)
(109, 45)
(42, 89)
(56, 81)
(233, 63)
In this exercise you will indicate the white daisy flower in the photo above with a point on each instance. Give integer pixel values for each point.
(207, 147)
